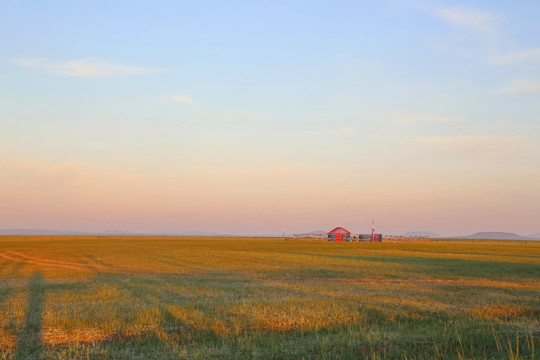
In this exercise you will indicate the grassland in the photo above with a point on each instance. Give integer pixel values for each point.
(204, 298)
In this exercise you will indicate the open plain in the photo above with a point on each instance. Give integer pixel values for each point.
(77, 297)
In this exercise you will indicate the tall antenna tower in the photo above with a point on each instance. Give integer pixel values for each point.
(283, 231)
(372, 229)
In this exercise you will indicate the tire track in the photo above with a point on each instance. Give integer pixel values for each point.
(22, 258)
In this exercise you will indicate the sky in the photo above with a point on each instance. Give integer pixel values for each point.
(245, 117)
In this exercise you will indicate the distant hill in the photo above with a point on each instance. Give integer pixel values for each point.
(495, 235)
(430, 234)
(114, 233)
(534, 236)
(200, 233)
(41, 232)
(49, 232)
(317, 233)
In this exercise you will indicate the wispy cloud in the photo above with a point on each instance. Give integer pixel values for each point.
(525, 55)
(342, 131)
(62, 172)
(179, 98)
(520, 87)
(39, 167)
(473, 145)
(474, 19)
(412, 119)
(90, 67)
(58, 174)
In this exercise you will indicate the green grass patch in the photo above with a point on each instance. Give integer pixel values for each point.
(218, 298)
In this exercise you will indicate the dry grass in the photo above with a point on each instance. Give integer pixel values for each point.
(168, 298)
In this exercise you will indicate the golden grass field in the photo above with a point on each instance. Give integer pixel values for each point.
(227, 298)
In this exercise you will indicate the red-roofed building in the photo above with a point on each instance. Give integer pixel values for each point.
(339, 234)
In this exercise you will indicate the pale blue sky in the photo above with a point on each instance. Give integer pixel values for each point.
(247, 116)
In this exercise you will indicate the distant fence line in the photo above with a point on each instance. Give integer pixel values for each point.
(385, 238)
(149, 236)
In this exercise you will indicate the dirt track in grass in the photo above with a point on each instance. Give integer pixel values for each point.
(19, 257)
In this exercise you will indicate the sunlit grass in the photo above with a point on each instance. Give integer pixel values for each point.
(168, 298)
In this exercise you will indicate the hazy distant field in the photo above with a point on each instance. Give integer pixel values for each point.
(154, 298)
